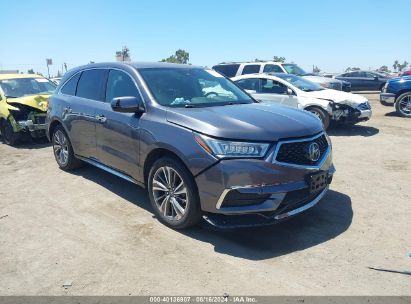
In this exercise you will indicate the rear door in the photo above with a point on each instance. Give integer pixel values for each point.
(117, 133)
(79, 111)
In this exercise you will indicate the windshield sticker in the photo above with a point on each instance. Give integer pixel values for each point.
(214, 73)
(41, 80)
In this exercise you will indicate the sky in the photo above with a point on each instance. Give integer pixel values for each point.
(332, 35)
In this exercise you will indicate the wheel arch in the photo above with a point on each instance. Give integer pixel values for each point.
(159, 152)
(399, 93)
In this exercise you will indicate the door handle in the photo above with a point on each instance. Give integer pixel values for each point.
(101, 118)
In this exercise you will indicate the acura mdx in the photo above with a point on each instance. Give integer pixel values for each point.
(202, 147)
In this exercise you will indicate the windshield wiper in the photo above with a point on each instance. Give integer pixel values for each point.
(189, 106)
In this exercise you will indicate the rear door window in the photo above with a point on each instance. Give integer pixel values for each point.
(228, 70)
(92, 84)
(251, 69)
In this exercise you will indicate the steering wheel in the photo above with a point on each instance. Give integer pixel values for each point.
(211, 93)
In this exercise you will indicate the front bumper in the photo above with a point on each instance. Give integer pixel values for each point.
(344, 113)
(36, 126)
(387, 99)
(258, 187)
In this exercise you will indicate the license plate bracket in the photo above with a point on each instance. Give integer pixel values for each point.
(317, 181)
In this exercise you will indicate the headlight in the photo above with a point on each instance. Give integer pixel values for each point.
(225, 148)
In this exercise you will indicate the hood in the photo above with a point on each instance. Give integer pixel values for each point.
(39, 102)
(337, 96)
(253, 122)
(319, 79)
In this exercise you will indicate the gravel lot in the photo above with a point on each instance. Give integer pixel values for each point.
(95, 233)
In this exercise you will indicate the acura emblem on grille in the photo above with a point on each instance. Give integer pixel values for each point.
(313, 152)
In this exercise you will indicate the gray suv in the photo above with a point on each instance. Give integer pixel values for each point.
(201, 146)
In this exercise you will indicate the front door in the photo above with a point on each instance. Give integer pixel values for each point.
(118, 133)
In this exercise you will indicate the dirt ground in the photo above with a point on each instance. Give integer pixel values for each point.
(96, 235)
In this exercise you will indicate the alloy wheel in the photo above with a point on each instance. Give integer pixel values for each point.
(170, 193)
(405, 105)
(60, 147)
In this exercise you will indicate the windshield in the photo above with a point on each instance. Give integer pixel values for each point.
(301, 83)
(192, 87)
(19, 87)
(294, 69)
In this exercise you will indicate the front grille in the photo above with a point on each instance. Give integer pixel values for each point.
(295, 152)
(364, 106)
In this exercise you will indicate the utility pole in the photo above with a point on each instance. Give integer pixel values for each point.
(49, 62)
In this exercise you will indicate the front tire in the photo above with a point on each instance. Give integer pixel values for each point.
(173, 194)
(322, 115)
(403, 105)
(63, 150)
(9, 136)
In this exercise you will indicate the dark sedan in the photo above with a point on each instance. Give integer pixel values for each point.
(364, 80)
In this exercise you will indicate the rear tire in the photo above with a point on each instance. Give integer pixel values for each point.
(321, 114)
(10, 137)
(173, 194)
(403, 105)
(63, 150)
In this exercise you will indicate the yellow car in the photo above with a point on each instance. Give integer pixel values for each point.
(23, 105)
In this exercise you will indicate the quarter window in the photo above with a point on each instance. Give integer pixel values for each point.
(91, 84)
(119, 84)
(251, 69)
(70, 86)
(228, 70)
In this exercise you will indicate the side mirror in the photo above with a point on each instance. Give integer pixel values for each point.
(127, 104)
(290, 92)
(375, 77)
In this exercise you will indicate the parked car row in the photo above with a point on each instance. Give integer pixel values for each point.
(241, 152)
(243, 68)
(287, 89)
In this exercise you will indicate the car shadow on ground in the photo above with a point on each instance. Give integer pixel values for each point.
(330, 218)
(355, 130)
(30, 143)
(393, 114)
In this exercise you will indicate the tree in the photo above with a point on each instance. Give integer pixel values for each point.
(123, 55)
(349, 69)
(31, 71)
(396, 65)
(384, 69)
(180, 56)
(403, 65)
(279, 59)
(316, 70)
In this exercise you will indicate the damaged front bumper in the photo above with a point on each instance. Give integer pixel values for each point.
(35, 124)
(345, 113)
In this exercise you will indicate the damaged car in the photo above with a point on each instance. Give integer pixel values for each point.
(23, 106)
(291, 90)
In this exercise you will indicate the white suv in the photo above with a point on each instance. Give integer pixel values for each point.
(233, 69)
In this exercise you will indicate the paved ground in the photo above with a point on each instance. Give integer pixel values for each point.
(96, 233)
